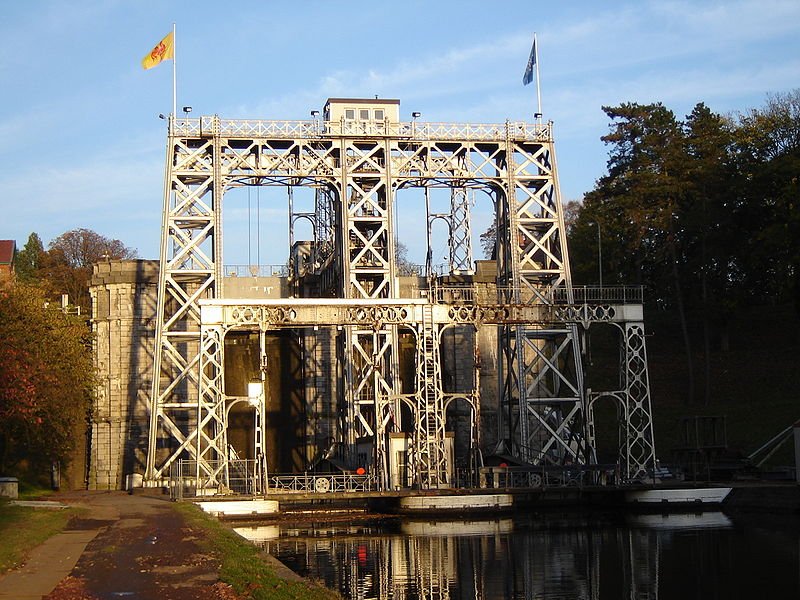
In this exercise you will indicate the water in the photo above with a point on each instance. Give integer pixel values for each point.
(706, 556)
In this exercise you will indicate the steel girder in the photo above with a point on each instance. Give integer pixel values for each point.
(356, 180)
(640, 450)
(460, 232)
(189, 272)
(542, 389)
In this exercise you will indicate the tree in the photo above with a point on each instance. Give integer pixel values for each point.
(46, 378)
(641, 200)
(29, 259)
(768, 154)
(69, 260)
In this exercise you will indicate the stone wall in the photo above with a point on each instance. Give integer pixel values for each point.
(124, 295)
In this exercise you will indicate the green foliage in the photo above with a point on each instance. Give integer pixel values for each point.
(703, 212)
(245, 568)
(46, 378)
(29, 259)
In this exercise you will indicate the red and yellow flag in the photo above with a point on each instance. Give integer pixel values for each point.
(164, 50)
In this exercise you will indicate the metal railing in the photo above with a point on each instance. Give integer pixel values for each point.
(322, 483)
(244, 477)
(542, 476)
(213, 125)
(256, 271)
(450, 294)
(594, 294)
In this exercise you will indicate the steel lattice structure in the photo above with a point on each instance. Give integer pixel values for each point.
(357, 172)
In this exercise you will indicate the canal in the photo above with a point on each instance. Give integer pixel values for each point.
(548, 556)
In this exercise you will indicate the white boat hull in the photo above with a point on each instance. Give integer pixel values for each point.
(690, 496)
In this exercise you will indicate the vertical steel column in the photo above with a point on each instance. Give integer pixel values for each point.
(189, 270)
(639, 442)
(542, 395)
(212, 439)
(368, 259)
(429, 456)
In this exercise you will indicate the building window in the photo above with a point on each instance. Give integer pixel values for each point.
(350, 114)
(363, 114)
(379, 114)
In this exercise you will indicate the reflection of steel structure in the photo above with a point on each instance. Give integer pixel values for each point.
(357, 159)
(477, 559)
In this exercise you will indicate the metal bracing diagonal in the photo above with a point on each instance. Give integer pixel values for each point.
(362, 160)
(640, 442)
(536, 248)
(188, 255)
(188, 198)
(535, 202)
(560, 436)
(186, 310)
(534, 163)
(486, 163)
(429, 458)
(548, 352)
(460, 231)
(192, 160)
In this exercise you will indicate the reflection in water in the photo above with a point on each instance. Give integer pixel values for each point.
(551, 557)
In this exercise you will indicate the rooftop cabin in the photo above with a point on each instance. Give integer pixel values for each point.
(363, 110)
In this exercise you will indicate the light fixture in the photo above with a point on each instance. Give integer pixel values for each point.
(161, 116)
(537, 115)
(314, 113)
(187, 109)
(416, 114)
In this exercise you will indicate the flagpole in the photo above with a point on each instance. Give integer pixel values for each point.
(538, 89)
(175, 78)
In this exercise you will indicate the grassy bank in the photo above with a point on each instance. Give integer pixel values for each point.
(245, 567)
(23, 528)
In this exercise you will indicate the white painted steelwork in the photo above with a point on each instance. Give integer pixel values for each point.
(357, 173)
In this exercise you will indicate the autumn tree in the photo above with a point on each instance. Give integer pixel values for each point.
(68, 263)
(46, 379)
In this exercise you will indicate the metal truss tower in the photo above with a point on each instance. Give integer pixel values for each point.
(542, 381)
(357, 168)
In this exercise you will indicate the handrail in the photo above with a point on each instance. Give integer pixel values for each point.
(256, 271)
(414, 130)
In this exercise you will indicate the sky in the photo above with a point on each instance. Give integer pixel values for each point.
(81, 144)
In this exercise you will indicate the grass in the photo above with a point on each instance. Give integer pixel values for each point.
(23, 528)
(244, 566)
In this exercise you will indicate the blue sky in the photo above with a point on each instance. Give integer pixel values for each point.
(81, 144)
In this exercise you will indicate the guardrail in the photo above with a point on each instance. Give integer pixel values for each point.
(595, 294)
(542, 476)
(240, 477)
(414, 130)
(322, 483)
(256, 271)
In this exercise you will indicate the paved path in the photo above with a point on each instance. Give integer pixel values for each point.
(52, 561)
(48, 564)
(125, 545)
